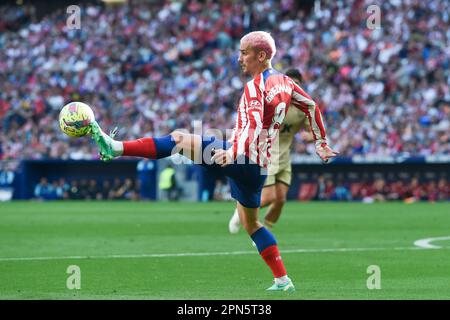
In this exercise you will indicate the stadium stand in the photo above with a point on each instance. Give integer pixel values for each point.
(152, 67)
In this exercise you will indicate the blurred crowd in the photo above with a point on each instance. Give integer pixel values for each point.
(86, 189)
(156, 66)
(324, 189)
(379, 189)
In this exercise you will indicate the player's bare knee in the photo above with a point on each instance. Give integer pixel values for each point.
(268, 199)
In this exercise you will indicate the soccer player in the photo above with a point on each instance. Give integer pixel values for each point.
(279, 170)
(260, 112)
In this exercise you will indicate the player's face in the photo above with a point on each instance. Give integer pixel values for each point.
(248, 59)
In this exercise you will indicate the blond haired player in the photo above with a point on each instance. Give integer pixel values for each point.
(279, 171)
(244, 159)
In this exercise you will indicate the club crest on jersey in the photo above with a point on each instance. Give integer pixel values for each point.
(254, 104)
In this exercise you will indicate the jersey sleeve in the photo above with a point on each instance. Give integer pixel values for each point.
(302, 101)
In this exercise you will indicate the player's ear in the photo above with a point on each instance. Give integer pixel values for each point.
(262, 55)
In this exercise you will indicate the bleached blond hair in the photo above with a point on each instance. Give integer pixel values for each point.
(261, 40)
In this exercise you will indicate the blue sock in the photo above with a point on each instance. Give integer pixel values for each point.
(263, 239)
(164, 146)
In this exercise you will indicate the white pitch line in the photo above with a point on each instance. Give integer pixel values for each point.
(201, 254)
(426, 243)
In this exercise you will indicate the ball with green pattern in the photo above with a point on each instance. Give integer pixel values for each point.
(75, 119)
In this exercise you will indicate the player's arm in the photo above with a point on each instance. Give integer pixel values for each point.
(301, 100)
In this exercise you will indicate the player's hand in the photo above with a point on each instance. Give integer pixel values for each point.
(221, 157)
(325, 152)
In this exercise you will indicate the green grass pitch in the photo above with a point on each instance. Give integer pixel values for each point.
(147, 250)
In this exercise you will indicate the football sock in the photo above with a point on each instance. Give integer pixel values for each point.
(152, 148)
(268, 249)
(117, 147)
(281, 280)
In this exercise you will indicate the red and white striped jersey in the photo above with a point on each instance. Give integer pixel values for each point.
(261, 111)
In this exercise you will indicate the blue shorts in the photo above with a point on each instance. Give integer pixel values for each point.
(246, 178)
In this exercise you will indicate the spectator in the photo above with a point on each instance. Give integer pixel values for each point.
(63, 190)
(168, 183)
(432, 191)
(443, 189)
(105, 190)
(83, 188)
(367, 191)
(93, 190)
(127, 191)
(414, 191)
(74, 192)
(321, 188)
(397, 191)
(381, 190)
(43, 190)
(57, 192)
(342, 192)
(329, 189)
(222, 191)
(115, 192)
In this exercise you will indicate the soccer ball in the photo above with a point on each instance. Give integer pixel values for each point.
(75, 119)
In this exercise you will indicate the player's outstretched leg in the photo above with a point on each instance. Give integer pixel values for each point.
(147, 147)
(267, 248)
